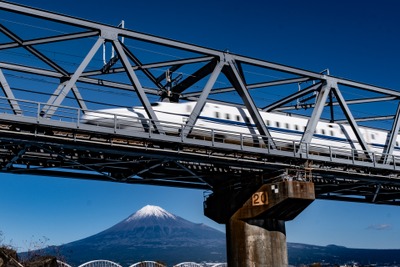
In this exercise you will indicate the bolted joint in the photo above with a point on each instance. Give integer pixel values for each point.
(109, 35)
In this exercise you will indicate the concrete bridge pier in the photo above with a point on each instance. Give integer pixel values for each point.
(259, 242)
(255, 222)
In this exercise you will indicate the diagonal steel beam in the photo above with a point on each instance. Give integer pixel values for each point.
(316, 115)
(50, 103)
(202, 100)
(292, 97)
(241, 72)
(16, 157)
(378, 188)
(192, 173)
(140, 66)
(391, 137)
(79, 97)
(33, 50)
(74, 78)
(151, 167)
(53, 97)
(234, 77)
(9, 94)
(171, 70)
(194, 78)
(351, 120)
(136, 84)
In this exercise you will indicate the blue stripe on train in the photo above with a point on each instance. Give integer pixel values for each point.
(276, 129)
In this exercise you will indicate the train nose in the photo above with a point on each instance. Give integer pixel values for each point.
(118, 117)
(95, 117)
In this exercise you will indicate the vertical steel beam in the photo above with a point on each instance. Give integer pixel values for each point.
(136, 84)
(9, 94)
(202, 100)
(71, 82)
(235, 78)
(316, 114)
(391, 137)
(351, 120)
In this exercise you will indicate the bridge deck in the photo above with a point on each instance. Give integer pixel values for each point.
(64, 146)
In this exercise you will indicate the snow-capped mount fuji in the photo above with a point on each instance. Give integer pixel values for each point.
(151, 211)
(151, 233)
(155, 222)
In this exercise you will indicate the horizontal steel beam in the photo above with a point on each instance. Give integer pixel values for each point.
(52, 39)
(251, 86)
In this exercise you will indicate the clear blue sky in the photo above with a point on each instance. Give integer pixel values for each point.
(358, 40)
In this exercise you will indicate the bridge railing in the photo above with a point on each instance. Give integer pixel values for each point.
(41, 110)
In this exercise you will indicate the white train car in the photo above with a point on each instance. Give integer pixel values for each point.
(228, 122)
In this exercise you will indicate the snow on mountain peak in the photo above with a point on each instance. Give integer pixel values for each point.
(151, 211)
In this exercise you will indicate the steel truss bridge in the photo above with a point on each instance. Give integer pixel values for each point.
(55, 68)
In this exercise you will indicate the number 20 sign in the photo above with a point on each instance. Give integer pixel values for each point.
(260, 198)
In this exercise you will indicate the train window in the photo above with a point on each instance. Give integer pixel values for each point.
(237, 118)
(287, 125)
(322, 131)
(247, 119)
(267, 122)
(277, 124)
(332, 133)
(216, 114)
(372, 136)
(296, 127)
(397, 143)
(228, 116)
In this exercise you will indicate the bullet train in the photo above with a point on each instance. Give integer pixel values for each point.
(229, 122)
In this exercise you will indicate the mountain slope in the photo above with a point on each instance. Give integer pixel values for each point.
(149, 234)
(155, 234)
